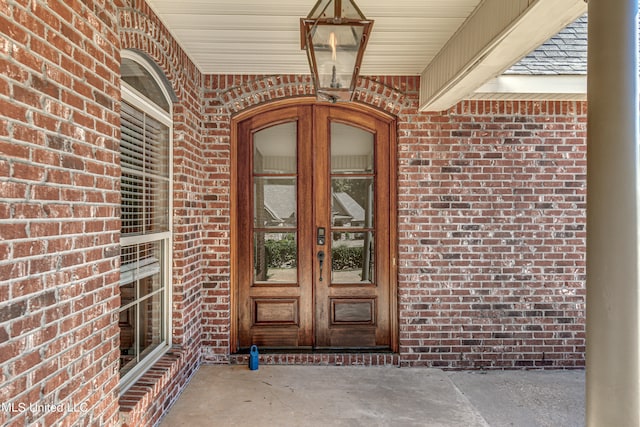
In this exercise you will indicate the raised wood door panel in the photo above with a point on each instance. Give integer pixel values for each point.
(301, 168)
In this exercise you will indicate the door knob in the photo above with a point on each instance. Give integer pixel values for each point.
(321, 262)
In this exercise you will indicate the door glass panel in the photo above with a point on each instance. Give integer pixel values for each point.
(352, 258)
(275, 188)
(351, 149)
(352, 206)
(275, 257)
(274, 150)
(352, 202)
(275, 203)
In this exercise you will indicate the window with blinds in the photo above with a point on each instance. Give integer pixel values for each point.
(145, 214)
(145, 173)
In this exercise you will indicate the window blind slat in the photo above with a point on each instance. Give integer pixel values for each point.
(145, 162)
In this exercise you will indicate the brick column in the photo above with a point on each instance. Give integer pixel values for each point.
(612, 215)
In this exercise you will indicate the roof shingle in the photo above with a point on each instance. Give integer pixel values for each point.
(563, 54)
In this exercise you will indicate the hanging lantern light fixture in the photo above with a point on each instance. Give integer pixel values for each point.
(335, 35)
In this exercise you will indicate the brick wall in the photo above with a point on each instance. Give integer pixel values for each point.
(491, 223)
(492, 235)
(216, 314)
(59, 205)
(59, 212)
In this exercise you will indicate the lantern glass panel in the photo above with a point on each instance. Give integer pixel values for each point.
(336, 50)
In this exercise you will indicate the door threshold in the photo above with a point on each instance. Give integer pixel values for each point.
(310, 350)
(334, 357)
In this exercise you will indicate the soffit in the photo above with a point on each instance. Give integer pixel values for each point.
(497, 35)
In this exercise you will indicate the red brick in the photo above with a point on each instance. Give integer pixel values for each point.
(45, 192)
(41, 265)
(55, 382)
(23, 171)
(45, 157)
(45, 122)
(13, 388)
(39, 230)
(28, 248)
(13, 190)
(13, 31)
(10, 350)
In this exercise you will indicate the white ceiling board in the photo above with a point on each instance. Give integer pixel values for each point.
(263, 37)
(300, 8)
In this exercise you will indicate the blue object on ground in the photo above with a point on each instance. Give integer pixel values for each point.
(253, 358)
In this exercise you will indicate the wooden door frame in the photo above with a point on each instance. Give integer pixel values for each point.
(393, 214)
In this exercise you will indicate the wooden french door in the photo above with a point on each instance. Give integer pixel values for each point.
(313, 240)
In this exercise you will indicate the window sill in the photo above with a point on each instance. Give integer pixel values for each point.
(146, 400)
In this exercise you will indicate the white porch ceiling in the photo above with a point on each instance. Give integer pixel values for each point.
(263, 36)
(455, 45)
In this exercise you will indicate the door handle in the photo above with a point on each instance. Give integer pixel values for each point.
(321, 261)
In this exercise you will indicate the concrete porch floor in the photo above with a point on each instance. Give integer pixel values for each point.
(378, 396)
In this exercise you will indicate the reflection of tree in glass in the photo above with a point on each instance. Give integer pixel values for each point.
(346, 258)
(281, 253)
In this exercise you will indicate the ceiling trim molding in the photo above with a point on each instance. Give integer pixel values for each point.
(565, 87)
(495, 36)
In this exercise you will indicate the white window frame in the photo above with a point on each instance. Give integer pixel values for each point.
(140, 101)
